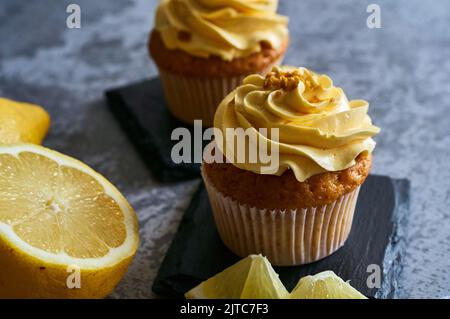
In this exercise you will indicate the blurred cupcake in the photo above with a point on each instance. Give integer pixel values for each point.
(205, 48)
(301, 209)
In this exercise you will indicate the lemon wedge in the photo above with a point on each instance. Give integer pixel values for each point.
(59, 217)
(22, 122)
(251, 278)
(325, 285)
(254, 278)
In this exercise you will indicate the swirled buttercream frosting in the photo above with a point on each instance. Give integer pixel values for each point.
(319, 129)
(224, 28)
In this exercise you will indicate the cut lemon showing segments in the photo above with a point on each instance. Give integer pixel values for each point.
(22, 122)
(325, 285)
(251, 278)
(65, 231)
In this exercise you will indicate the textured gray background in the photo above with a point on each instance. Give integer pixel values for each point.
(403, 69)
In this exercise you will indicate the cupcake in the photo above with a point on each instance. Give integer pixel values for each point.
(299, 208)
(205, 48)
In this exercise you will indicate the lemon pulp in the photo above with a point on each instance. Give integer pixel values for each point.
(254, 278)
(56, 208)
(325, 285)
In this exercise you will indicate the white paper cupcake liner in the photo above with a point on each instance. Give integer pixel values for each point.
(285, 237)
(197, 98)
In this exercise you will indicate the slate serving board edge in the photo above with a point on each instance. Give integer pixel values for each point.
(143, 141)
(392, 265)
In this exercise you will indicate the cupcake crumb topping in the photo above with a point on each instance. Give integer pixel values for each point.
(286, 80)
(184, 36)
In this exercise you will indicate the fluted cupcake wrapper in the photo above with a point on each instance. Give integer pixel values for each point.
(285, 237)
(197, 98)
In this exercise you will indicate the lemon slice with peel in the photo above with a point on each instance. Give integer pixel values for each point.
(58, 216)
(325, 285)
(22, 122)
(251, 278)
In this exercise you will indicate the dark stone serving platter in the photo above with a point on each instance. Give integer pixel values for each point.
(377, 238)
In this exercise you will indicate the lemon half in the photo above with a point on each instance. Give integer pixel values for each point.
(57, 217)
(251, 278)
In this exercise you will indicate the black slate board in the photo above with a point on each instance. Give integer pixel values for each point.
(197, 252)
(141, 110)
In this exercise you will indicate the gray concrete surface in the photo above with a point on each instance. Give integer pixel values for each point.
(403, 69)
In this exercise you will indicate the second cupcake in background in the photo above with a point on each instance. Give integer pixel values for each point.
(299, 208)
(204, 49)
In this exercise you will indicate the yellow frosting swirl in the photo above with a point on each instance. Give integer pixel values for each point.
(319, 129)
(224, 28)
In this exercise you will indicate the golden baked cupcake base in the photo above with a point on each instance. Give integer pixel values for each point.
(286, 237)
(195, 86)
(290, 222)
(285, 191)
